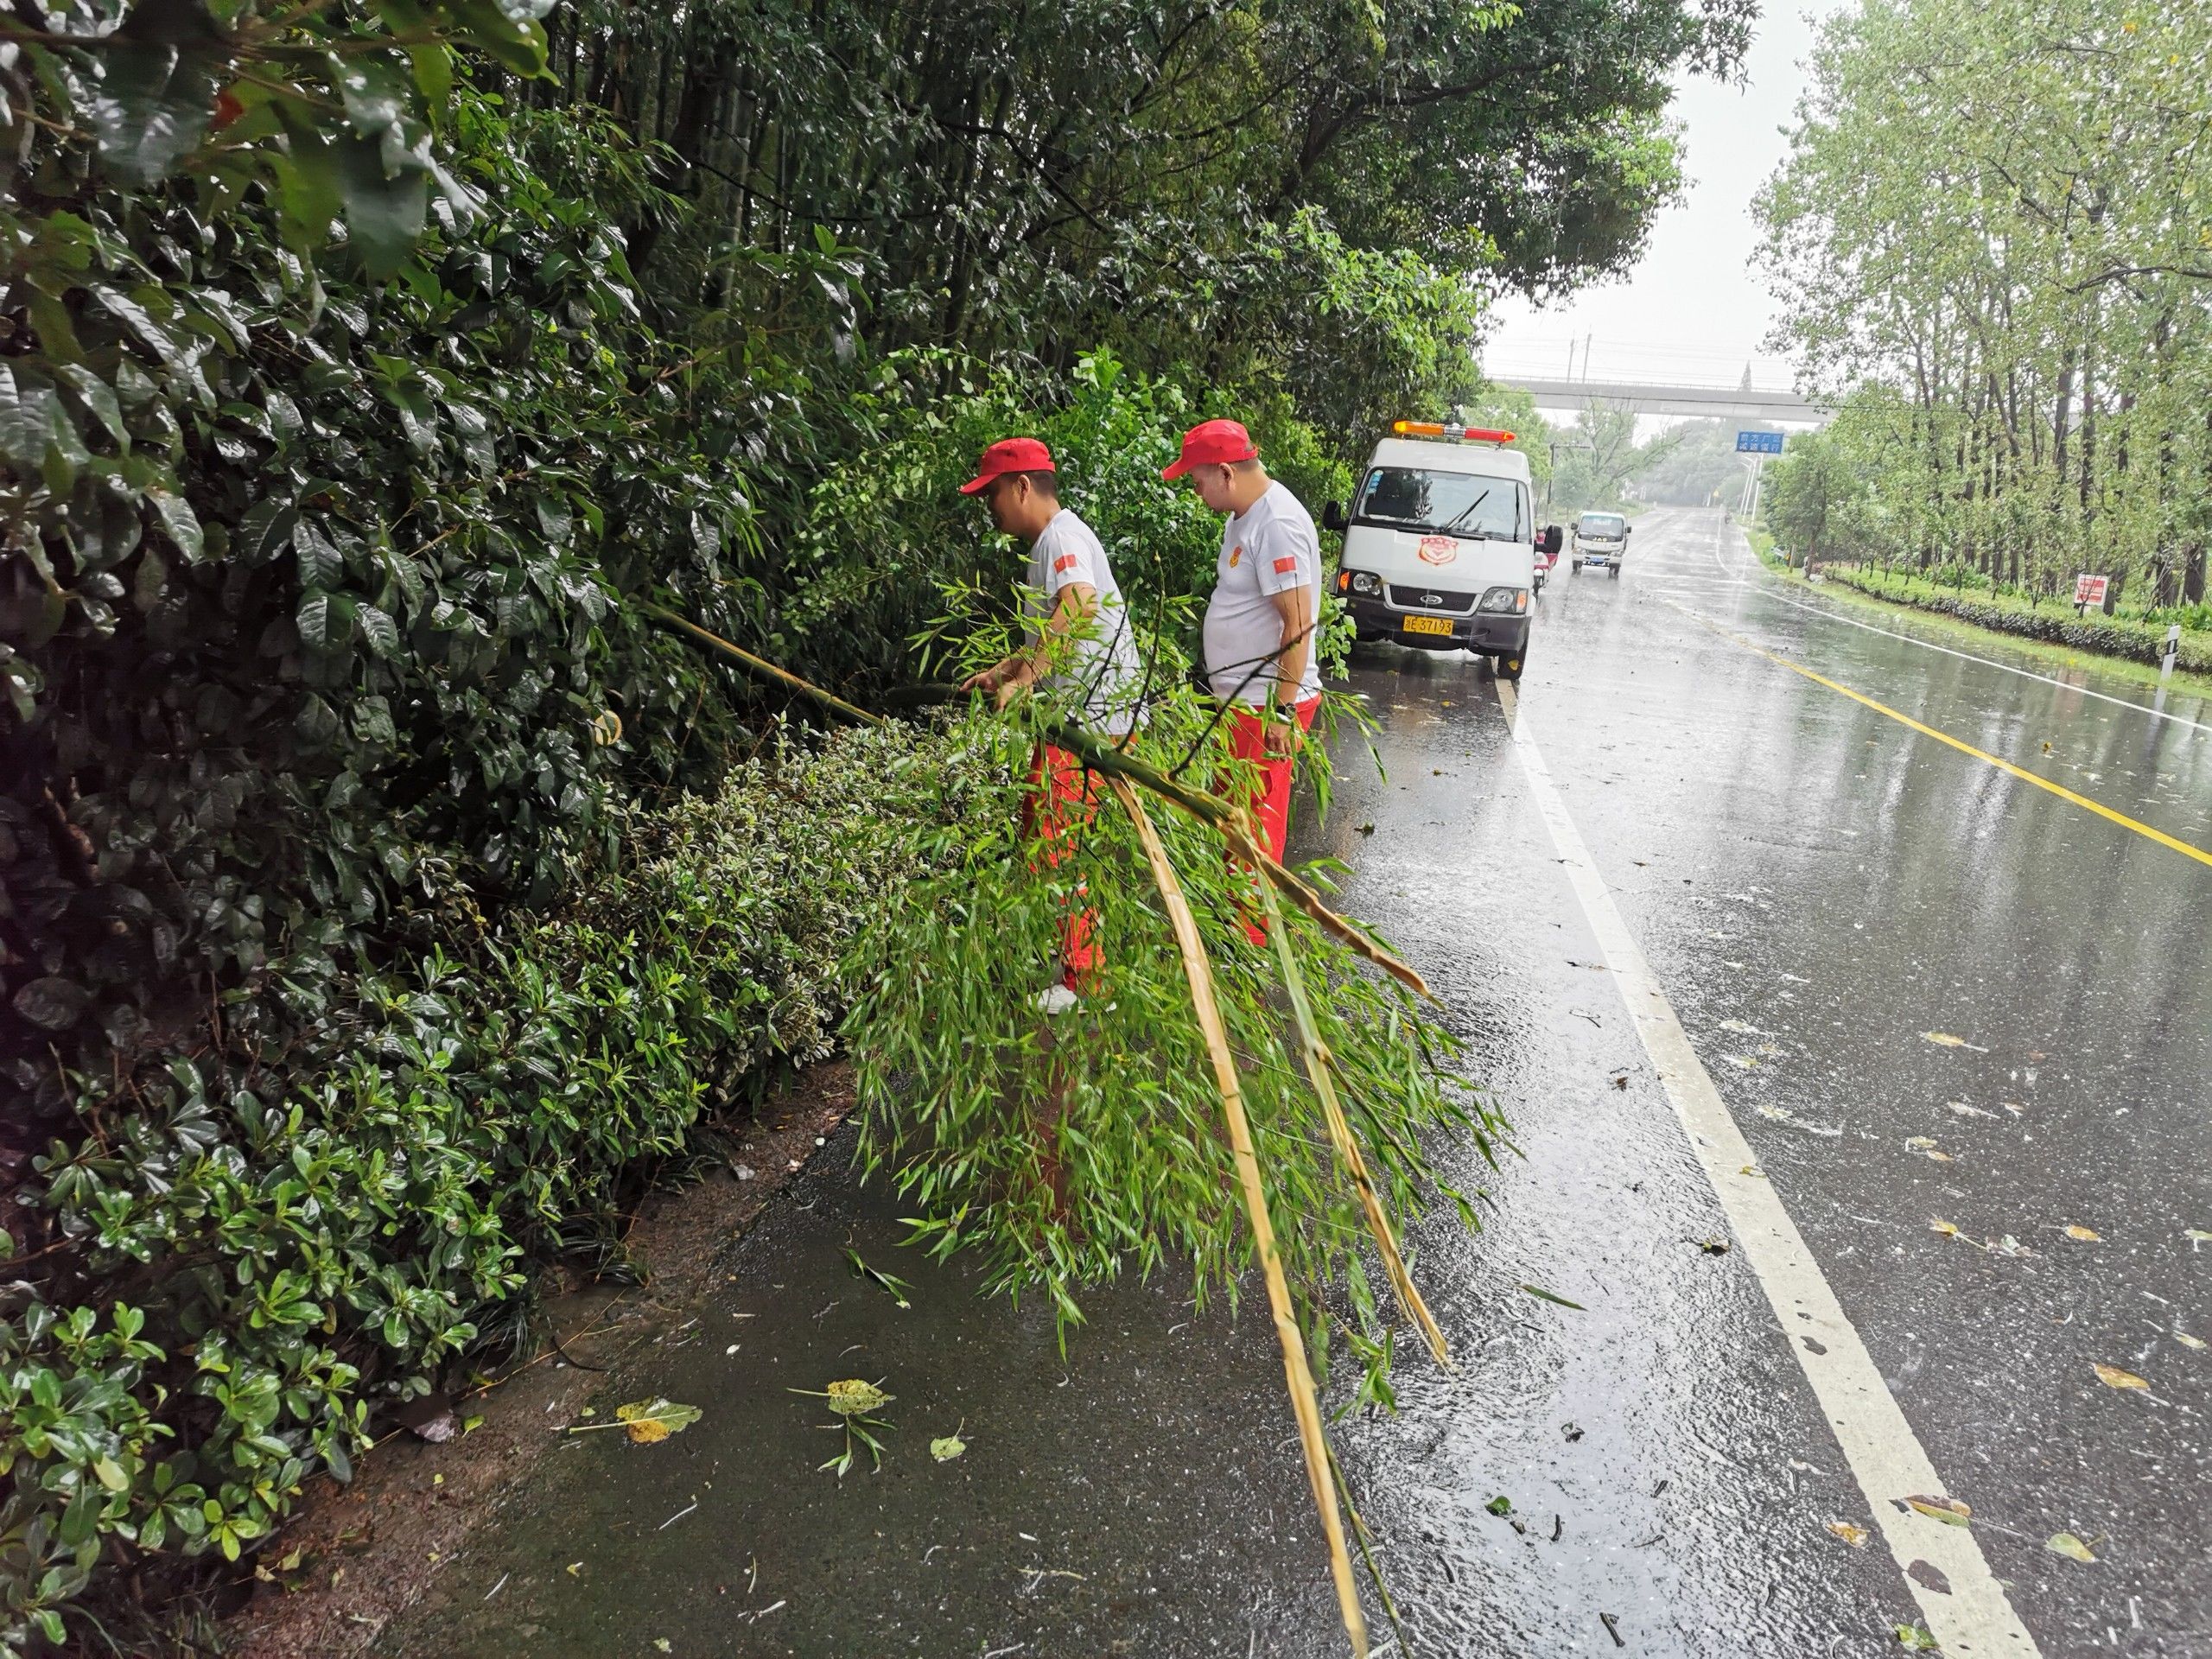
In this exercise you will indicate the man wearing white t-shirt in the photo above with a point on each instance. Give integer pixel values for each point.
(1079, 654)
(1260, 623)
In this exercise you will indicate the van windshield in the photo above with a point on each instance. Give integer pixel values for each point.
(1607, 524)
(1462, 504)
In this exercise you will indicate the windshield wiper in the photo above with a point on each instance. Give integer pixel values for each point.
(1456, 518)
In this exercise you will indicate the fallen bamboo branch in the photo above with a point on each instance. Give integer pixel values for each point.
(783, 677)
(1100, 756)
(1304, 1398)
(1320, 1071)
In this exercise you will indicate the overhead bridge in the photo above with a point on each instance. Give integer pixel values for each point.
(1672, 397)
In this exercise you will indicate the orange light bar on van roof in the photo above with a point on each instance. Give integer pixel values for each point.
(1438, 429)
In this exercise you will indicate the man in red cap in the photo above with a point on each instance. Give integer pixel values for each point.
(1079, 654)
(1260, 623)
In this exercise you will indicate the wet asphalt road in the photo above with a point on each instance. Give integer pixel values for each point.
(1816, 887)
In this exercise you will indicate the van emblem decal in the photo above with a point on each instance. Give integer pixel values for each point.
(1438, 550)
(1431, 598)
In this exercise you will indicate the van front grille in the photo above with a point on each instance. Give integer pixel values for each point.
(1441, 599)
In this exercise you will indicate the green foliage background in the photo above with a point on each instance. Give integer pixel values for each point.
(1993, 240)
(384, 900)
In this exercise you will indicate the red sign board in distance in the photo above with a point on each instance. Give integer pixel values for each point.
(2088, 589)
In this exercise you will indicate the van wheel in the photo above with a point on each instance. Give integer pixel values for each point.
(1613, 572)
(1507, 665)
(1574, 567)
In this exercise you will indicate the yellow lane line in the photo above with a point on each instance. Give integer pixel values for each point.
(2026, 776)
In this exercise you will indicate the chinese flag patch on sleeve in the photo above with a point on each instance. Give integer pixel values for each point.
(1065, 564)
(1286, 564)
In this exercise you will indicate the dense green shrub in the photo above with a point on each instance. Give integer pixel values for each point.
(331, 1234)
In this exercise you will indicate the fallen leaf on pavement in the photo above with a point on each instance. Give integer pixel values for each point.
(1741, 1061)
(1962, 1109)
(576, 1569)
(1951, 1511)
(2066, 1544)
(947, 1447)
(1855, 1536)
(2196, 1235)
(1915, 1639)
(1949, 1229)
(2007, 1245)
(661, 1644)
(649, 1421)
(2112, 1378)
(1543, 1295)
(1926, 1147)
(2085, 1235)
(1500, 1505)
(1944, 1040)
(1713, 1246)
(851, 1398)
(2187, 1341)
(894, 1285)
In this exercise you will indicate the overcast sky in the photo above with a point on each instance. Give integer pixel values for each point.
(1694, 307)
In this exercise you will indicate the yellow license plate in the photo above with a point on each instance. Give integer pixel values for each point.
(1428, 625)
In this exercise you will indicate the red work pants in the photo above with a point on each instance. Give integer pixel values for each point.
(1063, 798)
(1270, 801)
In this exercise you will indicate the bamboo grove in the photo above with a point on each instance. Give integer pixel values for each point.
(369, 374)
(1993, 237)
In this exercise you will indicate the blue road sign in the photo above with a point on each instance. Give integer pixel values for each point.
(1758, 443)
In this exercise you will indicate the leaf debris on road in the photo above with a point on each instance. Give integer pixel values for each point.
(1951, 1511)
(2066, 1544)
(2112, 1378)
(894, 1285)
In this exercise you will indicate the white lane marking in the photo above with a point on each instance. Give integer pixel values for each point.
(1969, 657)
(1976, 1617)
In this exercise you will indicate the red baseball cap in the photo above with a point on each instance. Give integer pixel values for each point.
(1010, 455)
(1213, 443)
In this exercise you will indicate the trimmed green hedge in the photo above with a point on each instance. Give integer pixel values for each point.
(272, 1258)
(2104, 636)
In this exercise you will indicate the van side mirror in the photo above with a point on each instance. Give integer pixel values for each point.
(1332, 517)
(1625, 530)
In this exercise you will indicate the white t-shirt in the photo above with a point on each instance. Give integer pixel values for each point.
(1100, 682)
(1269, 549)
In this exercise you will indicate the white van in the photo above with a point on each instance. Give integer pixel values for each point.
(1600, 539)
(1440, 543)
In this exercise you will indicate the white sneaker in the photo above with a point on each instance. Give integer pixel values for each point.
(1056, 998)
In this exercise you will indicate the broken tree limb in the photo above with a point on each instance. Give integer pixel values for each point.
(1304, 1398)
(1320, 1071)
(1100, 756)
(759, 665)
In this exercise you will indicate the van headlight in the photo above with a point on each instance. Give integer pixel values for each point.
(1504, 599)
(1365, 581)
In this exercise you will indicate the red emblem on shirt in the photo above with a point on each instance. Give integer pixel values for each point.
(1065, 564)
(1285, 565)
(1235, 554)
